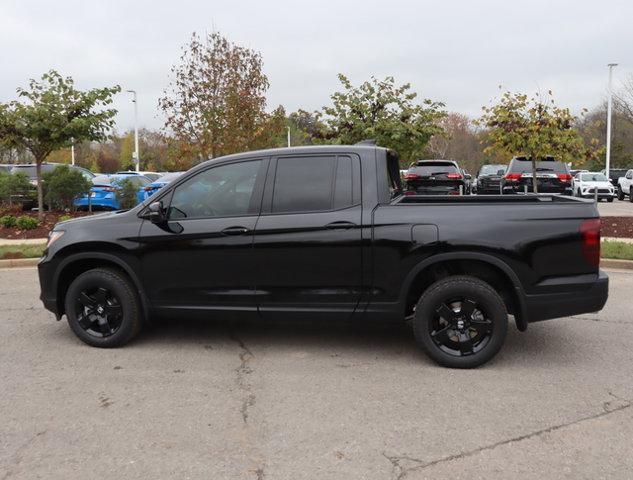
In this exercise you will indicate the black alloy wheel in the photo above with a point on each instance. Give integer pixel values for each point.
(103, 308)
(460, 327)
(460, 322)
(99, 311)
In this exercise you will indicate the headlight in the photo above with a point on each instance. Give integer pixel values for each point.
(54, 236)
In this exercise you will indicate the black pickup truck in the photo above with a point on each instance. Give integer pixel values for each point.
(326, 233)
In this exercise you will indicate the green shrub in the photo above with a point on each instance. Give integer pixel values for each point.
(26, 223)
(63, 218)
(14, 184)
(8, 221)
(63, 185)
(127, 194)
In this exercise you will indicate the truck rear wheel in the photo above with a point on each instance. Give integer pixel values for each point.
(620, 193)
(460, 322)
(103, 308)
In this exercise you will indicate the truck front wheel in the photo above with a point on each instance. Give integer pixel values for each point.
(103, 308)
(460, 322)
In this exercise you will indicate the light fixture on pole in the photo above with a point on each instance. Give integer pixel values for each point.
(135, 156)
(609, 107)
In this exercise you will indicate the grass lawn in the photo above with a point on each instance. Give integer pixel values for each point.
(619, 250)
(21, 251)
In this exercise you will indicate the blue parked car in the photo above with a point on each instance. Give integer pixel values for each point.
(149, 190)
(103, 192)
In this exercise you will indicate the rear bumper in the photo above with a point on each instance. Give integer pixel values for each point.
(584, 294)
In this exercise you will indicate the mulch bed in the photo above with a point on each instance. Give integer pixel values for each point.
(50, 219)
(611, 226)
(621, 227)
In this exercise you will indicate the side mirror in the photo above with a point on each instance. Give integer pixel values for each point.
(501, 172)
(157, 213)
(468, 176)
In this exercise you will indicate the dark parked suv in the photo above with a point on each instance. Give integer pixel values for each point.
(325, 233)
(552, 176)
(489, 179)
(436, 177)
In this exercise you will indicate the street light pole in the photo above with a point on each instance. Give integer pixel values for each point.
(609, 107)
(72, 151)
(288, 128)
(136, 155)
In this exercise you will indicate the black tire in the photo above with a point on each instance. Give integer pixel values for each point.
(610, 199)
(631, 194)
(103, 309)
(620, 193)
(486, 317)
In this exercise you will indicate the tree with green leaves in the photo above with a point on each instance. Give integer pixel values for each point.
(384, 111)
(519, 125)
(51, 114)
(215, 103)
(63, 184)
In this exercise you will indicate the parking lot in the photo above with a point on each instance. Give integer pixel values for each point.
(275, 401)
(616, 208)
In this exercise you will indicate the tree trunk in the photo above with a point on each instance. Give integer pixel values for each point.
(534, 180)
(40, 190)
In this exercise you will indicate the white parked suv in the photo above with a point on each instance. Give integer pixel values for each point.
(625, 186)
(585, 184)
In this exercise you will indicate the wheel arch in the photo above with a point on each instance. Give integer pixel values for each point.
(80, 262)
(480, 265)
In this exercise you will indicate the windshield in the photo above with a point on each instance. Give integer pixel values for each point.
(138, 180)
(593, 177)
(491, 169)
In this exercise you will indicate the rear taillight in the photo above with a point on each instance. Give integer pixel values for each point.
(148, 189)
(564, 177)
(411, 176)
(512, 177)
(590, 232)
(454, 176)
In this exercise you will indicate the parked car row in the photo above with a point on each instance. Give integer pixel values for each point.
(103, 194)
(446, 177)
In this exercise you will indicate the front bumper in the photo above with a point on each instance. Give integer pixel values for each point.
(567, 296)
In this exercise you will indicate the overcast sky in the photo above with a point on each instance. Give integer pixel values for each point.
(457, 52)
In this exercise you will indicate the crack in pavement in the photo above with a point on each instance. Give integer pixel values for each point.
(600, 320)
(400, 471)
(17, 456)
(242, 371)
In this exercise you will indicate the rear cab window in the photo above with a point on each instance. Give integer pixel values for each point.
(427, 168)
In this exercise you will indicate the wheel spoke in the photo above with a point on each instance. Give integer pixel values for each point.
(441, 336)
(446, 312)
(100, 296)
(86, 300)
(467, 308)
(104, 326)
(85, 321)
(112, 310)
(465, 343)
(482, 327)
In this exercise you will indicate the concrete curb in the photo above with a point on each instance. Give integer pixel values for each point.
(22, 241)
(18, 262)
(614, 263)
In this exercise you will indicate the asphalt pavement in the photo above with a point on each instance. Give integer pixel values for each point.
(283, 401)
(616, 208)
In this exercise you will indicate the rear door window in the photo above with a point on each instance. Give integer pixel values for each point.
(304, 184)
(434, 168)
(546, 166)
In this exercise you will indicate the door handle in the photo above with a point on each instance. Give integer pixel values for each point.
(340, 225)
(235, 231)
